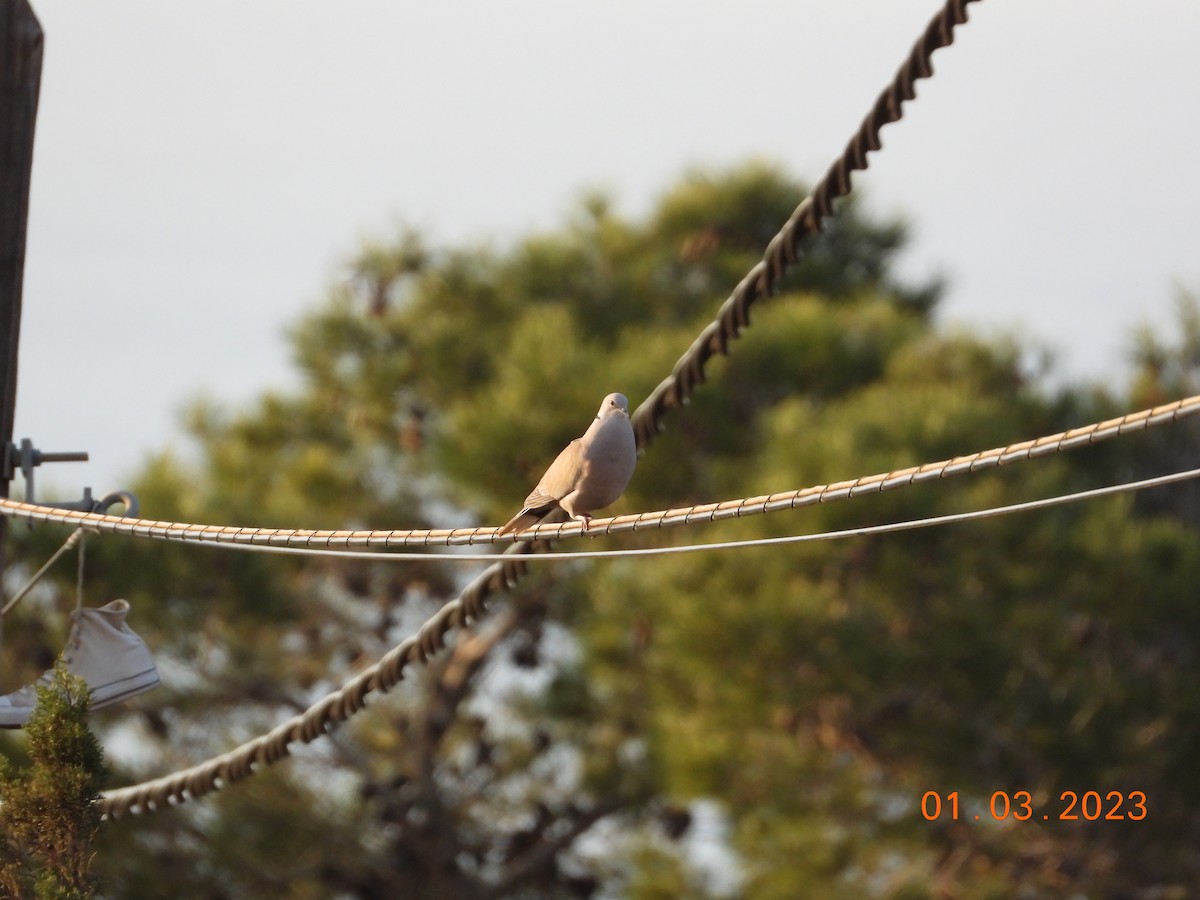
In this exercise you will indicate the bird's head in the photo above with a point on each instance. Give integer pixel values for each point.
(613, 405)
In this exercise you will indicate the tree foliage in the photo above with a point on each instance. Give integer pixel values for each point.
(48, 818)
(577, 741)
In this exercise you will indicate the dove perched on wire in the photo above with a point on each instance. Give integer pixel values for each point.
(590, 473)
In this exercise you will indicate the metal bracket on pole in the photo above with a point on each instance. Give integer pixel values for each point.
(26, 457)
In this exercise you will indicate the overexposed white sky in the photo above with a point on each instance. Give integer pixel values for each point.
(203, 169)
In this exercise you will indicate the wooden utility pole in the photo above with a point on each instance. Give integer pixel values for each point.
(20, 83)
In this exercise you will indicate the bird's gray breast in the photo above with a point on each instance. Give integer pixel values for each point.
(608, 464)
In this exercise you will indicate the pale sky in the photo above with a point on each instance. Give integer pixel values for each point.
(203, 169)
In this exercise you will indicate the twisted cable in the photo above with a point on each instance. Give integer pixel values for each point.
(744, 543)
(665, 518)
(807, 220)
(319, 719)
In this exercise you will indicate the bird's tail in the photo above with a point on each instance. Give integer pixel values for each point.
(522, 520)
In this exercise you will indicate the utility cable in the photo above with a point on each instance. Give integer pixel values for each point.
(70, 542)
(807, 220)
(861, 531)
(1082, 436)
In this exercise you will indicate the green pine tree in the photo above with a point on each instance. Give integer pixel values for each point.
(49, 820)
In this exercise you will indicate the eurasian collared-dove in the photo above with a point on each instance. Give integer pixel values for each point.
(590, 473)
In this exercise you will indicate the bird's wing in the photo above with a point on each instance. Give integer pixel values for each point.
(560, 479)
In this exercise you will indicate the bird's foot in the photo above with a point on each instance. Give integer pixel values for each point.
(586, 520)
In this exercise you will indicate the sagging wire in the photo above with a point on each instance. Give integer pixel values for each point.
(1082, 436)
(75, 537)
(861, 531)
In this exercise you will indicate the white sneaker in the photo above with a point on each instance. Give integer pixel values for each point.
(104, 652)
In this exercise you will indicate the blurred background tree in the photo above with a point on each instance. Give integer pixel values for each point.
(762, 723)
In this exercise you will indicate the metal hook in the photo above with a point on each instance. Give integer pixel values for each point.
(90, 504)
(110, 500)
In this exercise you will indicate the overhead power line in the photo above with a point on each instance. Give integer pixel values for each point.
(861, 531)
(807, 220)
(692, 515)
